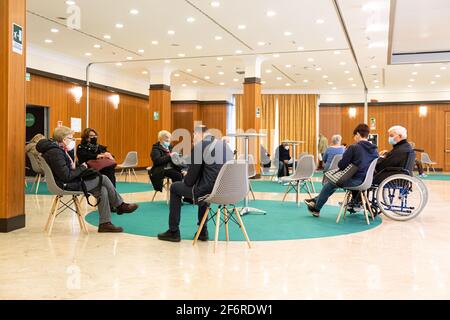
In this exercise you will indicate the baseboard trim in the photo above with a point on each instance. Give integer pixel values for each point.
(11, 224)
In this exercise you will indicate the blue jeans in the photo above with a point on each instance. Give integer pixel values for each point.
(328, 190)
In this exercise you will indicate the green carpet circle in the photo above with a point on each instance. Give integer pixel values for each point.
(283, 221)
(275, 187)
(122, 187)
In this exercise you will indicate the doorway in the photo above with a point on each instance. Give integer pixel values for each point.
(36, 122)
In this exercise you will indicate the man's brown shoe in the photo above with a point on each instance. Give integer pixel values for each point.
(126, 208)
(109, 227)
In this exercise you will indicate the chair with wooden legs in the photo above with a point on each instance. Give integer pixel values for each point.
(35, 165)
(128, 165)
(302, 175)
(231, 186)
(362, 191)
(426, 160)
(59, 204)
(166, 188)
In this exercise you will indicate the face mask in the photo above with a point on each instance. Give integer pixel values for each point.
(166, 144)
(287, 147)
(94, 140)
(392, 141)
(71, 145)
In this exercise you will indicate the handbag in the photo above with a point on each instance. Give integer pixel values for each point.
(100, 164)
(339, 177)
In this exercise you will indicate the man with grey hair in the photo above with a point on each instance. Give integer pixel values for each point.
(398, 156)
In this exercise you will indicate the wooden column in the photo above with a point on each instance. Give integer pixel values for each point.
(12, 117)
(160, 109)
(251, 102)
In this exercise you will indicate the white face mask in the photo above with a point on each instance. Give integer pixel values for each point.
(287, 147)
(71, 145)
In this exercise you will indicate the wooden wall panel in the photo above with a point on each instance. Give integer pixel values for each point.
(214, 116)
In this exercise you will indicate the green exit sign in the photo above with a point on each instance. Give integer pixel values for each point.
(17, 38)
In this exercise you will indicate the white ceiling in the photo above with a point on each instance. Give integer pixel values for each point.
(299, 17)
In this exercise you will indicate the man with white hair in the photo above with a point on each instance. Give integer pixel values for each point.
(398, 156)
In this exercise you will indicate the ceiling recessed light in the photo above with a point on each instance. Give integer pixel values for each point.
(276, 55)
(107, 36)
(318, 69)
(48, 41)
(206, 77)
(88, 54)
(300, 48)
(373, 66)
(218, 37)
(134, 11)
(438, 76)
(97, 46)
(235, 80)
(70, 3)
(287, 33)
(342, 63)
(155, 42)
(433, 82)
(350, 79)
(268, 71)
(325, 76)
(176, 75)
(242, 27)
(145, 72)
(263, 82)
(320, 21)
(377, 87)
(279, 78)
(288, 84)
(270, 13)
(141, 50)
(220, 73)
(119, 25)
(238, 51)
(181, 55)
(330, 82)
(194, 81)
(334, 88)
(222, 83)
(443, 68)
(414, 73)
(376, 81)
(337, 52)
(198, 47)
(353, 84)
(412, 80)
(166, 61)
(54, 30)
(189, 70)
(329, 39)
(306, 81)
(288, 66)
(346, 72)
(171, 32)
(129, 58)
(409, 86)
(261, 43)
(417, 65)
(190, 19)
(219, 58)
(118, 64)
(215, 4)
(310, 59)
(184, 85)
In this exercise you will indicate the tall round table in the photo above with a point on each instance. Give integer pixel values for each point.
(294, 144)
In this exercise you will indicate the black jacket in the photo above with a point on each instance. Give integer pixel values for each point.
(360, 154)
(396, 158)
(87, 151)
(202, 174)
(161, 160)
(283, 153)
(65, 177)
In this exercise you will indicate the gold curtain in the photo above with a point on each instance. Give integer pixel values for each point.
(297, 120)
(239, 105)
(268, 109)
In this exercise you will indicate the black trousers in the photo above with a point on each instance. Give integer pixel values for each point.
(177, 191)
(173, 175)
(110, 173)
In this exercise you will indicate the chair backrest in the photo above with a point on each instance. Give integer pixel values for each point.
(251, 165)
(425, 158)
(51, 184)
(367, 183)
(35, 164)
(335, 161)
(410, 162)
(263, 155)
(131, 160)
(231, 185)
(301, 154)
(305, 167)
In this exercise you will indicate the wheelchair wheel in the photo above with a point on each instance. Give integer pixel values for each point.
(401, 197)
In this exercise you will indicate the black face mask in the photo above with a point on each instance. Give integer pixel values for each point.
(93, 140)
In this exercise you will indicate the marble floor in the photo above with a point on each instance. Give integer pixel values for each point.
(397, 260)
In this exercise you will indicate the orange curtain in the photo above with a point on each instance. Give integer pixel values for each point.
(297, 120)
(268, 109)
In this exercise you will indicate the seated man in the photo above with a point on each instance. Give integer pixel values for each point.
(204, 166)
(283, 158)
(163, 166)
(397, 157)
(361, 154)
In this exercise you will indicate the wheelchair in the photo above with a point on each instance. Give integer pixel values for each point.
(399, 196)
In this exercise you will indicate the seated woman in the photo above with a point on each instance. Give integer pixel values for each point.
(335, 149)
(283, 158)
(361, 154)
(31, 146)
(89, 149)
(162, 162)
(67, 177)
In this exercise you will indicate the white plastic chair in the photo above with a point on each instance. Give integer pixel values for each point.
(302, 175)
(362, 190)
(425, 158)
(59, 194)
(333, 165)
(231, 186)
(128, 165)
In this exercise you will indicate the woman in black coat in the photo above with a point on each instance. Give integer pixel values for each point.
(89, 149)
(163, 166)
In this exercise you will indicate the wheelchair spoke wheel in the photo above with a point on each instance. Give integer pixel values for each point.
(401, 197)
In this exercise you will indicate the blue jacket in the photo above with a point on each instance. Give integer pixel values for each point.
(329, 155)
(360, 154)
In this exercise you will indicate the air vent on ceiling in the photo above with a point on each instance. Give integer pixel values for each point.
(61, 18)
(175, 45)
(240, 72)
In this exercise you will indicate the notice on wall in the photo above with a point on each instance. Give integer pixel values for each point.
(373, 124)
(17, 39)
(155, 116)
(258, 112)
(75, 124)
(59, 124)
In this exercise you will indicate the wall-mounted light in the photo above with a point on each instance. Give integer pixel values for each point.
(77, 93)
(115, 100)
(352, 113)
(423, 111)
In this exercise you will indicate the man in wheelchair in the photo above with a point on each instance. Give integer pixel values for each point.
(399, 160)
